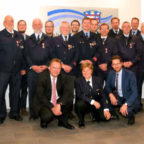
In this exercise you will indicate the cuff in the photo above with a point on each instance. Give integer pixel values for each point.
(106, 109)
(92, 102)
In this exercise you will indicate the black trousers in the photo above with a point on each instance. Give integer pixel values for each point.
(82, 108)
(140, 80)
(32, 78)
(23, 92)
(14, 81)
(46, 114)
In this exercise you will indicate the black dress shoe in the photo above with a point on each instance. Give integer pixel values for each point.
(2, 120)
(81, 124)
(43, 124)
(17, 118)
(65, 125)
(131, 120)
(32, 118)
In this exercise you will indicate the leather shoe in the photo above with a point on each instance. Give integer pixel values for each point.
(24, 112)
(17, 118)
(2, 120)
(131, 120)
(81, 124)
(65, 125)
(43, 124)
(32, 118)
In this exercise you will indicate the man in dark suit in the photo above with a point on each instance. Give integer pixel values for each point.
(115, 31)
(22, 26)
(53, 96)
(64, 47)
(49, 29)
(88, 45)
(140, 70)
(37, 54)
(121, 87)
(128, 48)
(134, 27)
(11, 63)
(106, 51)
(90, 96)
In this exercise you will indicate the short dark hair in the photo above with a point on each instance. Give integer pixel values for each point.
(115, 18)
(86, 18)
(21, 21)
(75, 21)
(135, 18)
(116, 57)
(104, 24)
(49, 21)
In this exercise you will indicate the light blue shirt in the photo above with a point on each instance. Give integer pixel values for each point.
(135, 32)
(120, 83)
(87, 33)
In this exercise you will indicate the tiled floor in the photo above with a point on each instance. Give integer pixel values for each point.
(113, 132)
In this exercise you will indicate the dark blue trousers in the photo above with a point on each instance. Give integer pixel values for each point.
(14, 81)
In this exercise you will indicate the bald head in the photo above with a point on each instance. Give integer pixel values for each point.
(37, 25)
(142, 28)
(8, 23)
(65, 28)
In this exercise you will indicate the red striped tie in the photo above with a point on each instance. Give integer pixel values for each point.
(54, 92)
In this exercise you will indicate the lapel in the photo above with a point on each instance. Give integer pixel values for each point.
(62, 41)
(94, 83)
(86, 88)
(58, 83)
(123, 80)
(113, 78)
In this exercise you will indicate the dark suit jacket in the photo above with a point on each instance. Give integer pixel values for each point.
(64, 86)
(37, 53)
(11, 56)
(137, 34)
(113, 35)
(83, 92)
(129, 85)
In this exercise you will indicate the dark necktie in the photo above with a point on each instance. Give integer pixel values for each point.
(133, 33)
(117, 83)
(88, 83)
(86, 34)
(66, 39)
(38, 38)
(12, 35)
(116, 32)
(103, 40)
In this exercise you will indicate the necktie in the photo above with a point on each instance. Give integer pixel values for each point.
(86, 34)
(54, 92)
(133, 33)
(38, 38)
(12, 34)
(103, 41)
(116, 32)
(90, 88)
(117, 83)
(66, 38)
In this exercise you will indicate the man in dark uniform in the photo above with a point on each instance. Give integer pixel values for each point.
(22, 26)
(134, 27)
(37, 56)
(87, 44)
(115, 30)
(11, 63)
(95, 26)
(64, 47)
(128, 48)
(106, 51)
(140, 70)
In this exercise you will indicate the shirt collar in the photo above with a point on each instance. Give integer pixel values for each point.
(120, 72)
(87, 33)
(64, 37)
(116, 30)
(103, 37)
(90, 80)
(10, 32)
(126, 35)
(53, 77)
(40, 35)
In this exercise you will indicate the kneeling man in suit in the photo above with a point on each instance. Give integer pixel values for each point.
(90, 96)
(121, 87)
(54, 96)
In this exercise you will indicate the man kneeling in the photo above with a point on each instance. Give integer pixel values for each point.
(54, 96)
(90, 96)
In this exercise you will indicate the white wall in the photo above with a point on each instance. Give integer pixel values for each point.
(30, 9)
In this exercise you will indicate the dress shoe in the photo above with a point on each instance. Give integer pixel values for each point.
(32, 117)
(2, 120)
(81, 124)
(17, 118)
(65, 125)
(24, 112)
(43, 124)
(131, 120)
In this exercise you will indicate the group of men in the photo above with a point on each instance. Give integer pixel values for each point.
(51, 67)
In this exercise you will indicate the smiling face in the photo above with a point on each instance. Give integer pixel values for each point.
(86, 25)
(117, 65)
(94, 25)
(75, 27)
(9, 23)
(65, 28)
(22, 26)
(115, 23)
(37, 25)
(126, 28)
(87, 73)
(49, 28)
(134, 24)
(104, 30)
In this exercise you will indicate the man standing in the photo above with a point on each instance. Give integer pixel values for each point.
(94, 26)
(37, 55)
(134, 27)
(22, 26)
(11, 63)
(121, 87)
(64, 47)
(87, 44)
(53, 96)
(115, 31)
